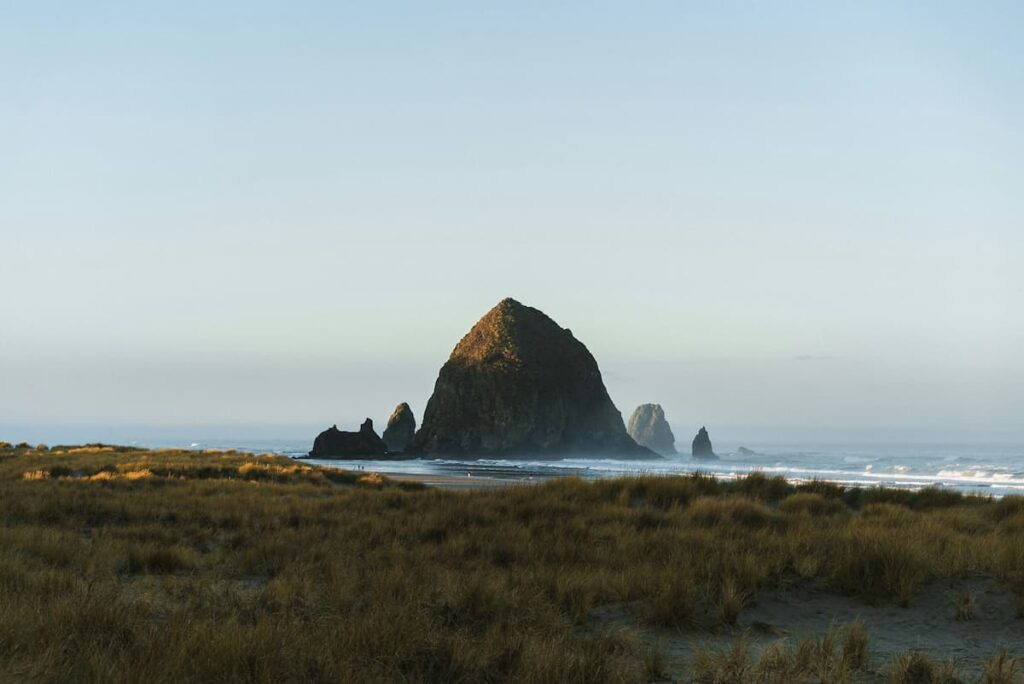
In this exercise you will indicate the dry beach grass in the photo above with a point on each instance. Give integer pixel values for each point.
(122, 565)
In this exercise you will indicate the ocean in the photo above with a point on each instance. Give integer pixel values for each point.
(996, 469)
(988, 469)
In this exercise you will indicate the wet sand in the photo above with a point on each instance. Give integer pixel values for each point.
(463, 482)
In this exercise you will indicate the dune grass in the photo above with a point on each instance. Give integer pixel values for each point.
(126, 565)
(837, 656)
(840, 656)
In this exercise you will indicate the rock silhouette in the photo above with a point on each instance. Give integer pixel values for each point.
(335, 443)
(520, 385)
(702, 445)
(648, 427)
(401, 428)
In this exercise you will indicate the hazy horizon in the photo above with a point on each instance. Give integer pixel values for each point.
(277, 436)
(790, 220)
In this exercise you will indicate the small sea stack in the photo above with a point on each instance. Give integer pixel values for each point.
(335, 443)
(401, 428)
(648, 427)
(520, 385)
(701, 447)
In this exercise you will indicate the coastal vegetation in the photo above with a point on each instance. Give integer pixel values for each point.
(123, 565)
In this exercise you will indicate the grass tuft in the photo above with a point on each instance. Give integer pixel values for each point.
(811, 504)
(916, 667)
(1000, 669)
(855, 647)
(732, 599)
(966, 606)
(725, 666)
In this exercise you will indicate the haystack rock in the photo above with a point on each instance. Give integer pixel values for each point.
(401, 428)
(335, 443)
(520, 385)
(702, 445)
(648, 427)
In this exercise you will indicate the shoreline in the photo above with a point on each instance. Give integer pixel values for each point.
(987, 469)
(452, 472)
(986, 478)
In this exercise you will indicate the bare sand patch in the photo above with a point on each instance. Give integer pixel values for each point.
(936, 623)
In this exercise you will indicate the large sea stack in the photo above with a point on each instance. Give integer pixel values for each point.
(702, 445)
(648, 427)
(401, 428)
(335, 443)
(518, 384)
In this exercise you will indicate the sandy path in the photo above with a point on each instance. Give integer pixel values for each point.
(928, 624)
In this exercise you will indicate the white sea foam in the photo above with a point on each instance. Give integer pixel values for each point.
(990, 469)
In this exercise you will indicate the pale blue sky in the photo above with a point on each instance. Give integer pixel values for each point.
(761, 215)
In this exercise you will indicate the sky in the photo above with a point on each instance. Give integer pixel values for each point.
(786, 218)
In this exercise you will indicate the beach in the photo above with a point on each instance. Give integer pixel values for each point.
(460, 482)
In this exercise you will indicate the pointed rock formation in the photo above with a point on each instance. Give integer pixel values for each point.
(401, 428)
(335, 443)
(520, 385)
(702, 445)
(648, 427)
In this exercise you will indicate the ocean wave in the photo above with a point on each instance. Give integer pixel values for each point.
(979, 475)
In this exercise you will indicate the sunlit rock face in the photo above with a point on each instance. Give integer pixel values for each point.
(335, 443)
(648, 427)
(401, 428)
(702, 445)
(518, 384)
